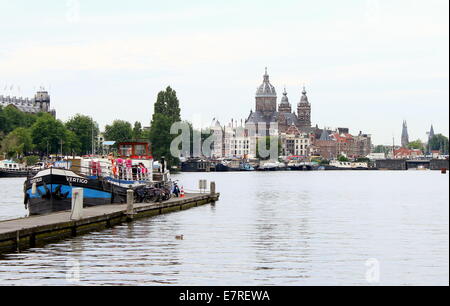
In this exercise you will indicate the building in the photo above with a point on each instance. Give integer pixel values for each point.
(330, 144)
(362, 145)
(230, 142)
(324, 146)
(296, 143)
(295, 130)
(304, 112)
(39, 104)
(405, 135)
(267, 114)
(405, 153)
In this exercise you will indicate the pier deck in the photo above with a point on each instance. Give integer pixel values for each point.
(20, 234)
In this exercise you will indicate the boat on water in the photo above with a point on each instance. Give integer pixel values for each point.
(196, 165)
(273, 166)
(104, 180)
(234, 165)
(344, 165)
(9, 168)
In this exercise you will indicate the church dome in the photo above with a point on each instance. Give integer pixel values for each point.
(304, 99)
(285, 99)
(266, 89)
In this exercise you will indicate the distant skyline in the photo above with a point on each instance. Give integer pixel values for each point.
(367, 64)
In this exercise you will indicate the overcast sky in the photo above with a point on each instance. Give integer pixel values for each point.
(367, 64)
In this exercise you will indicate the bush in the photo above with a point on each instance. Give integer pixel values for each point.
(31, 160)
(343, 159)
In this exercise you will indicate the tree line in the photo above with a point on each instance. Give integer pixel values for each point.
(23, 134)
(438, 142)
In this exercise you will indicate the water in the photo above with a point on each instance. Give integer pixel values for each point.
(282, 228)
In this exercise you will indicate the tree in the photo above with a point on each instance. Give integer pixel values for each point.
(47, 134)
(166, 113)
(343, 159)
(72, 145)
(2, 121)
(31, 160)
(168, 104)
(416, 145)
(86, 130)
(119, 131)
(439, 143)
(17, 143)
(161, 138)
(382, 149)
(137, 131)
(12, 118)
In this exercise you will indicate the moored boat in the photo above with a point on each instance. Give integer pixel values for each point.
(103, 180)
(12, 169)
(51, 191)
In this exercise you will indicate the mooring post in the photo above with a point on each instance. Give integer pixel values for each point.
(213, 188)
(130, 203)
(77, 204)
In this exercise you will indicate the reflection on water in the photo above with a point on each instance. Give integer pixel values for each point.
(287, 228)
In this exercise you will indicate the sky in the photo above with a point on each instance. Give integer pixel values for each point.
(367, 64)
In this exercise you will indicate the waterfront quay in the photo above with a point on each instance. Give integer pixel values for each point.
(21, 234)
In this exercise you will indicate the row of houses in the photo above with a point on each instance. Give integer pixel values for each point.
(239, 142)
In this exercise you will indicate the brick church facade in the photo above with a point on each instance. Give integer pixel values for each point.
(267, 111)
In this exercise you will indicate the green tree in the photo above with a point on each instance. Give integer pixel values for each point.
(439, 143)
(382, 149)
(18, 143)
(161, 138)
(168, 104)
(72, 144)
(166, 113)
(119, 131)
(12, 118)
(47, 134)
(137, 131)
(31, 160)
(416, 145)
(86, 130)
(2, 121)
(342, 158)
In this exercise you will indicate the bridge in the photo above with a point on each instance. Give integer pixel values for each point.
(403, 164)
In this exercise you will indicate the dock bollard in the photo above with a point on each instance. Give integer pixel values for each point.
(213, 188)
(130, 203)
(77, 204)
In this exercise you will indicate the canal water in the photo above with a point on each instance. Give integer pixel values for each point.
(281, 228)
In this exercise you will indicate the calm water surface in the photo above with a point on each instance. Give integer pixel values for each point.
(285, 228)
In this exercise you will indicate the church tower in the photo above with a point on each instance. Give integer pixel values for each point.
(405, 136)
(285, 106)
(304, 111)
(431, 134)
(266, 97)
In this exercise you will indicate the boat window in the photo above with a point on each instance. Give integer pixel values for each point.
(126, 150)
(140, 150)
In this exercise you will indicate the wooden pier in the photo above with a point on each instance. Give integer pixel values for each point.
(21, 234)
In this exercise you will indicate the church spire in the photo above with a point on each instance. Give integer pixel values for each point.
(405, 135)
(285, 106)
(304, 99)
(431, 134)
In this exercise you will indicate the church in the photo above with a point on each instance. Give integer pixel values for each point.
(39, 104)
(267, 112)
